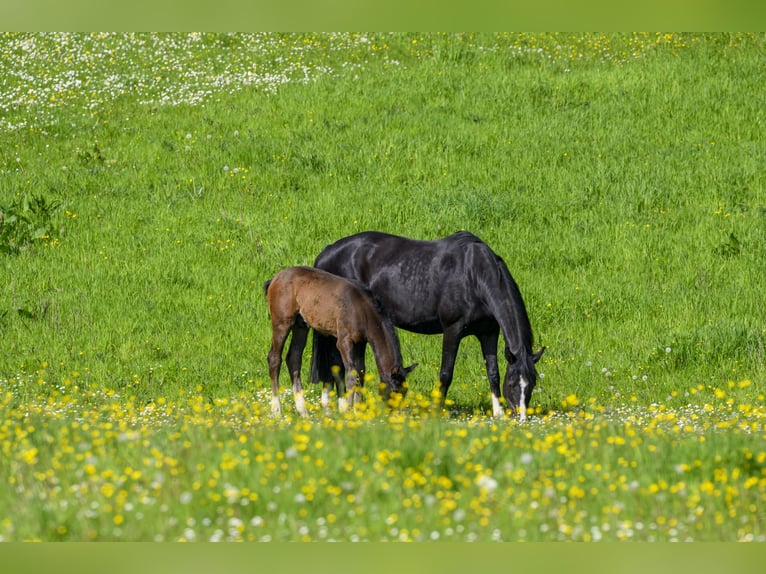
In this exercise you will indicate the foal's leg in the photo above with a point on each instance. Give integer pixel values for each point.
(294, 355)
(488, 343)
(346, 348)
(279, 332)
(357, 370)
(337, 382)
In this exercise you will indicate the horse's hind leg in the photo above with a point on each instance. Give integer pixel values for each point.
(326, 388)
(294, 356)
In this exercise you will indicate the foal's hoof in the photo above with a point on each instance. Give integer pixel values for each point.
(300, 405)
(276, 407)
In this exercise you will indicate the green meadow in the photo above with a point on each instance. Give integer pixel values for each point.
(151, 183)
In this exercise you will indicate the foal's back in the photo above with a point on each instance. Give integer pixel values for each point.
(323, 300)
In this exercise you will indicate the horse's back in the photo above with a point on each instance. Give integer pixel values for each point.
(422, 284)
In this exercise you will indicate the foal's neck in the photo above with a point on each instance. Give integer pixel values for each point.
(385, 348)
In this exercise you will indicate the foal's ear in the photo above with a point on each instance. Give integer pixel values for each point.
(404, 371)
(536, 356)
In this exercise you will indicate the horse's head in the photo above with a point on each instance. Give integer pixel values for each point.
(520, 380)
(397, 382)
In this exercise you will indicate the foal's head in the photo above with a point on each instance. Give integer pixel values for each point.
(397, 382)
(520, 381)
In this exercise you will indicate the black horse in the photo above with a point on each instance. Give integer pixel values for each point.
(456, 286)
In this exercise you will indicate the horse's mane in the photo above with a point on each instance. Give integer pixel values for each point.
(510, 293)
(517, 302)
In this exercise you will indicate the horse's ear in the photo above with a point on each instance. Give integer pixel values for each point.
(536, 356)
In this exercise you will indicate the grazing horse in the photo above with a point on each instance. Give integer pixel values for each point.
(456, 286)
(303, 297)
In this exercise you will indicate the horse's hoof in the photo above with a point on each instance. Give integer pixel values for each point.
(497, 408)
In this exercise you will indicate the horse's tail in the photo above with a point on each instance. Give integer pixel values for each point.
(323, 356)
(266, 287)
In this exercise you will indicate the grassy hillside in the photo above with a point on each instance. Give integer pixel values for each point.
(620, 177)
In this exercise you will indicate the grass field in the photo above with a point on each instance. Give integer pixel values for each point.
(150, 184)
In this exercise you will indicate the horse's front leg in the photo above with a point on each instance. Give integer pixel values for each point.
(450, 344)
(294, 359)
(488, 343)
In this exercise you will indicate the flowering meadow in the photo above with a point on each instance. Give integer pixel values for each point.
(93, 464)
(151, 183)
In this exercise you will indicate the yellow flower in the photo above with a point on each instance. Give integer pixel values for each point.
(30, 455)
(570, 401)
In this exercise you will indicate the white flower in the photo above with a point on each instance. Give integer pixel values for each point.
(486, 481)
(526, 458)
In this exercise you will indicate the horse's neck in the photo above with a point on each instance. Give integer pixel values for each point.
(507, 305)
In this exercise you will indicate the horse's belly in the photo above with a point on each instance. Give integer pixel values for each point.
(423, 327)
(408, 318)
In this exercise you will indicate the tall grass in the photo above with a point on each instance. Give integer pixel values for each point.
(619, 176)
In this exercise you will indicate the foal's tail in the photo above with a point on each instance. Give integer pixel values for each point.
(266, 287)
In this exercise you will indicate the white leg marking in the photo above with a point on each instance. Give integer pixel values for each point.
(300, 404)
(325, 396)
(497, 408)
(276, 406)
(342, 404)
(523, 400)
